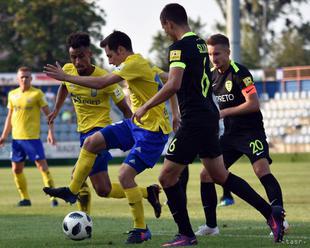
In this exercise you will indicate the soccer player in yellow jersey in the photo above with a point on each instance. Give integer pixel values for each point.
(23, 118)
(92, 109)
(145, 140)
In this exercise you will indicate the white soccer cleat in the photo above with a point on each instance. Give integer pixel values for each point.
(205, 230)
(286, 228)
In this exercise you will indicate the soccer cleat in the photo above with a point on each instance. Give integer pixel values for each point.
(153, 198)
(205, 230)
(224, 202)
(286, 228)
(24, 203)
(181, 240)
(63, 193)
(275, 222)
(54, 203)
(137, 236)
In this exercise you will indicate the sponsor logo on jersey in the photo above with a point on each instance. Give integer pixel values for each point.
(79, 99)
(228, 85)
(175, 55)
(247, 81)
(249, 90)
(202, 48)
(117, 93)
(16, 96)
(225, 98)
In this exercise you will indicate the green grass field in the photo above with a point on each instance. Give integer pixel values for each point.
(240, 225)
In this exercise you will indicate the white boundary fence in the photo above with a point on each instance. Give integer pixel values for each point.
(63, 150)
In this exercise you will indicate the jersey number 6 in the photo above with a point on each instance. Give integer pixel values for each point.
(205, 82)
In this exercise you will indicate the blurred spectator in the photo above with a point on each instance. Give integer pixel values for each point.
(68, 100)
(3, 97)
(50, 97)
(66, 116)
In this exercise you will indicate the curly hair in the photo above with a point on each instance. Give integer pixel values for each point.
(78, 39)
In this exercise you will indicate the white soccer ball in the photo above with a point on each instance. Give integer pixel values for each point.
(77, 225)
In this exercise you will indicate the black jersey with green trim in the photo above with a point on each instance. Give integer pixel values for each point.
(227, 88)
(197, 107)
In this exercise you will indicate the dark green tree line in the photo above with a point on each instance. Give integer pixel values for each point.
(33, 32)
(263, 43)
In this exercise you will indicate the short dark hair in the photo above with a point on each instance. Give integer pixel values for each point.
(174, 12)
(218, 39)
(78, 39)
(116, 39)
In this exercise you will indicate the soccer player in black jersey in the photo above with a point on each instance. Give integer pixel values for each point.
(189, 76)
(244, 132)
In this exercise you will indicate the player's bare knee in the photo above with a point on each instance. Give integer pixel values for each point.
(17, 170)
(260, 172)
(261, 169)
(94, 143)
(162, 181)
(103, 191)
(204, 176)
(219, 178)
(42, 168)
(89, 144)
(167, 180)
(124, 180)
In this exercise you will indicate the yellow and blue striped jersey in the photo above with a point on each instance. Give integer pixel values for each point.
(92, 106)
(26, 113)
(143, 83)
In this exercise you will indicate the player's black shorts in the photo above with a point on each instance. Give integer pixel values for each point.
(253, 145)
(189, 142)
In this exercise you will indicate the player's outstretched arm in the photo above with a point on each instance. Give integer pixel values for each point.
(123, 106)
(57, 73)
(62, 93)
(7, 128)
(164, 76)
(50, 135)
(250, 105)
(169, 89)
(174, 105)
(176, 116)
